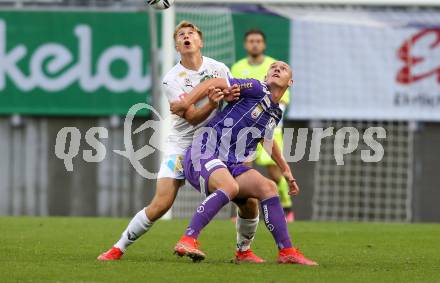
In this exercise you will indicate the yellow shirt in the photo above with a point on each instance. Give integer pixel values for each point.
(243, 70)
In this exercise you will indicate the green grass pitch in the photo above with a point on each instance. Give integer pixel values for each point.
(64, 250)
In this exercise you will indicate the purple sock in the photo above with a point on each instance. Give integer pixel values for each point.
(275, 221)
(205, 212)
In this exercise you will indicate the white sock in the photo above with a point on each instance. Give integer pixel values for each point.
(246, 229)
(135, 229)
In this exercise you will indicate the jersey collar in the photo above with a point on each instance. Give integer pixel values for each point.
(192, 71)
(270, 96)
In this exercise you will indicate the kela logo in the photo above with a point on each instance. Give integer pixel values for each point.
(52, 67)
(417, 65)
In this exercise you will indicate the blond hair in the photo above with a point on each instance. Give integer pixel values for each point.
(187, 24)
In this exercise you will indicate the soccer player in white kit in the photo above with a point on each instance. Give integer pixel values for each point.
(180, 80)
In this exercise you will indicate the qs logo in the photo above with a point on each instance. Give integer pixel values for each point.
(134, 156)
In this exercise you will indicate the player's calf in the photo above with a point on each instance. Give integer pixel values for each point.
(276, 224)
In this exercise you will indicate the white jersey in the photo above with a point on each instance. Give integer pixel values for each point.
(180, 81)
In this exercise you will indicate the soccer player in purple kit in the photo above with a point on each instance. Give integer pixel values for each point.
(214, 162)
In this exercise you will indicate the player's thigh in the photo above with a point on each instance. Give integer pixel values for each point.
(166, 192)
(222, 179)
(247, 208)
(254, 185)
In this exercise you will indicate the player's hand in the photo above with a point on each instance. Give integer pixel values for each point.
(178, 107)
(232, 93)
(215, 95)
(293, 186)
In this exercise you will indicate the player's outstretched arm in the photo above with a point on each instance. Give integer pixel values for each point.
(277, 156)
(199, 92)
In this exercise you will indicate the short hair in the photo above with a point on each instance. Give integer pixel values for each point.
(187, 24)
(255, 31)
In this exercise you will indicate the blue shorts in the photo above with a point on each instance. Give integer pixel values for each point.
(198, 170)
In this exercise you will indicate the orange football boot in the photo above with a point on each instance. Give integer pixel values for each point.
(189, 247)
(247, 256)
(112, 254)
(293, 256)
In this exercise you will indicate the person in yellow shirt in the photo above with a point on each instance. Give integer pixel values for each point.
(256, 65)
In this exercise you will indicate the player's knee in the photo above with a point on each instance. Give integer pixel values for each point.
(269, 189)
(272, 188)
(231, 188)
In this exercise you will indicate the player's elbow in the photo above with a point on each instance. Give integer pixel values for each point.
(194, 122)
(218, 83)
(191, 118)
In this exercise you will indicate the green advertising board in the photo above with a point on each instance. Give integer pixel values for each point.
(84, 63)
(91, 63)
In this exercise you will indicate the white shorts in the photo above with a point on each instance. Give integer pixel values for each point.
(172, 167)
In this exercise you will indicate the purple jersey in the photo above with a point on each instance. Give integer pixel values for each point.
(236, 130)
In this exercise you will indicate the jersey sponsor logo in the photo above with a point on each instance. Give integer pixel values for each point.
(246, 85)
(182, 74)
(205, 75)
(266, 100)
(206, 78)
(257, 111)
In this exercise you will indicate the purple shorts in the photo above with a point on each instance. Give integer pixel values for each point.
(197, 171)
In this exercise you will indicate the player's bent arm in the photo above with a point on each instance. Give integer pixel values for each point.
(285, 169)
(199, 92)
(277, 156)
(197, 115)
